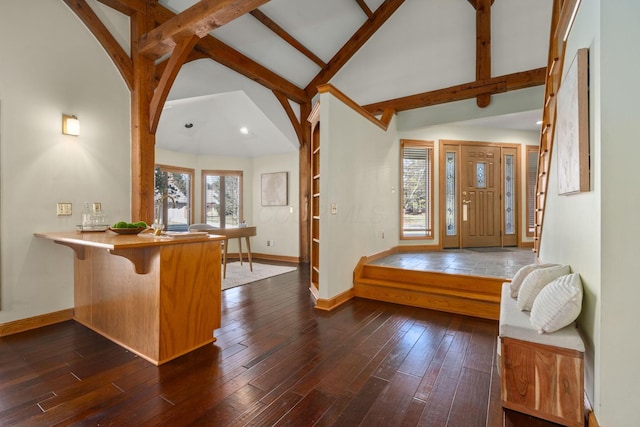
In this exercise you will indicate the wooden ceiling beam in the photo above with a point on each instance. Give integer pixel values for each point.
(120, 58)
(194, 55)
(365, 8)
(142, 140)
(169, 74)
(361, 36)
(284, 35)
(387, 114)
(224, 54)
(483, 47)
(476, 3)
(460, 92)
(198, 20)
(231, 58)
(126, 7)
(297, 127)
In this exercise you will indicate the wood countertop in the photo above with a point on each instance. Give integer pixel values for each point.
(111, 240)
(130, 246)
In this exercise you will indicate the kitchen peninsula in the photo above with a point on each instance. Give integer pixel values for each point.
(157, 296)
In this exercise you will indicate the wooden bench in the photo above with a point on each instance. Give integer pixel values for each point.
(542, 375)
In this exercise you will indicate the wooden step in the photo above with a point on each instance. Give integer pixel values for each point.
(468, 295)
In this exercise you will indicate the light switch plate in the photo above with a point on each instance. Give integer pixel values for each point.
(63, 209)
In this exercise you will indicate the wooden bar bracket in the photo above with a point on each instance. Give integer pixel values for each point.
(139, 258)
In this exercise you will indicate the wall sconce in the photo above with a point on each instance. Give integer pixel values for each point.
(70, 125)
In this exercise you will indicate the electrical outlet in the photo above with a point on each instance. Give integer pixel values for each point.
(270, 243)
(334, 208)
(63, 209)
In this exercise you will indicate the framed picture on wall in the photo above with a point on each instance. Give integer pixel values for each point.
(572, 127)
(275, 189)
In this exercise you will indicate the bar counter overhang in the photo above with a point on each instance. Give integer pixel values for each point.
(159, 297)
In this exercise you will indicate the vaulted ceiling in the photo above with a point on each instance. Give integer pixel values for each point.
(256, 70)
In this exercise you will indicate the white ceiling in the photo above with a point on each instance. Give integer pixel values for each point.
(210, 125)
(425, 45)
(525, 120)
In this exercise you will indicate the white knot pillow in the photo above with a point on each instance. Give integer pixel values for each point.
(522, 274)
(558, 304)
(535, 281)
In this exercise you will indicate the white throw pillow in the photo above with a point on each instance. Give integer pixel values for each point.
(558, 304)
(535, 281)
(521, 274)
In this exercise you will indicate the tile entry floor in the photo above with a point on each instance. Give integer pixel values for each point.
(486, 262)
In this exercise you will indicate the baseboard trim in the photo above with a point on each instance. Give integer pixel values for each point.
(35, 322)
(416, 248)
(526, 245)
(335, 302)
(266, 257)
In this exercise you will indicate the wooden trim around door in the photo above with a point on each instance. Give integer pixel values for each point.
(457, 144)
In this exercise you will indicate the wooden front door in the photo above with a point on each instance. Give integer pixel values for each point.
(480, 196)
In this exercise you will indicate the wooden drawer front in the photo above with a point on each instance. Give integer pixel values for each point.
(543, 381)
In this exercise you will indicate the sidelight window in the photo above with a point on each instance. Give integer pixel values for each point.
(509, 194)
(450, 194)
(417, 190)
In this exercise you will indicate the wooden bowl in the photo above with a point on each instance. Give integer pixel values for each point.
(127, 230)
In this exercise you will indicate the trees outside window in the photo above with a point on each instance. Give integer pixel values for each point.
(173, 197)
(222, 198)
(417, 190)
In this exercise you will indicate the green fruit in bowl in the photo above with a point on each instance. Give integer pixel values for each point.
(121, 224)
(141, 224)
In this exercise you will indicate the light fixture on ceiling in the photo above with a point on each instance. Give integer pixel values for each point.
(70, 125)
(539, 122)
(188, 125)
(244, 130)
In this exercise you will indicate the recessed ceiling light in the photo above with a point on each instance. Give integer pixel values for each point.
(244, 130)
(539, 122)
(188, 125)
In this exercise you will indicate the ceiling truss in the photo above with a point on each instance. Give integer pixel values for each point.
(159, 42)
(157, 32)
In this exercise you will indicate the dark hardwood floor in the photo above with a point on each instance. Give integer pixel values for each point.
(277, 361)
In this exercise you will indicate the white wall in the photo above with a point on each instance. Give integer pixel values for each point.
(273, 223)
(470, 133)
(359, 169)
(52, 65)
(596, 232)
(359, 173)
(280, 224)
(617, 105)
(572, 232)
